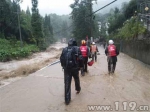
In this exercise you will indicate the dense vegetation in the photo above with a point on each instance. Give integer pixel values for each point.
(11, 49)
(37, 32)
(84, 23)
(122, 23)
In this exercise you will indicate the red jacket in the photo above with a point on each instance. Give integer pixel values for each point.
(112, 50)
(84, 51)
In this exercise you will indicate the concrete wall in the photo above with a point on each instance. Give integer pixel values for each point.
(137, 49)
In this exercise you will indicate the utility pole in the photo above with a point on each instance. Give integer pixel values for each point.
(91, 16)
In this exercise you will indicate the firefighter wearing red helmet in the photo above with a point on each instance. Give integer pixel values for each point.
(85, 54)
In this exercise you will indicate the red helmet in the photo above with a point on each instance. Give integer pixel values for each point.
(83, 42)
(90, 63)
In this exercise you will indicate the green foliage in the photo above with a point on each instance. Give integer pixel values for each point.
(2, 35)
(131, 29)
(35, 29)
(26, 27)
(116, 20)
(36, 23)
(83, 22)
(32, 29)
(123, 23)
(130, 9)
(48, 31)
(10, 50)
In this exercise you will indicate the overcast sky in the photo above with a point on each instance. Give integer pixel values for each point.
(61, 7)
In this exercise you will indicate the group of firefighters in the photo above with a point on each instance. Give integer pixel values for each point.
(111, 52)
(86, 53)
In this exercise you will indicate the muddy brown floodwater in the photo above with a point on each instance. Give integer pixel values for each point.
(16, 69)
(43, 91)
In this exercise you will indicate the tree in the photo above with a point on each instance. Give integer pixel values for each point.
(31, 25)
(130, 29)
(28, 11)
(48, 30)
(26, 27)
(130, 9)
(116, 20)
(123, 23)
(83, 22)
(64, 31)
(36, 22)
(5, 18)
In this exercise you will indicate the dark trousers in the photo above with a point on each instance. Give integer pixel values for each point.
(94, 55)
(85, 60)
(112, 60)
(104, 45)
(67, 80)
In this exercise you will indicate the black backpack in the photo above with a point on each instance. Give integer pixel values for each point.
(68, 58)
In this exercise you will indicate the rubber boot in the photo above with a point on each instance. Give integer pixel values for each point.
(82, 72)
(114, 67)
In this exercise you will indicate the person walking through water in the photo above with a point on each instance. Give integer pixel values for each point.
(111, 52)
(104, 44)
(85, 54)
(94, 50)
(70, 64)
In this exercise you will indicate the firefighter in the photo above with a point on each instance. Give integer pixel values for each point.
(93, 51)
(85, 54)
(111, 52)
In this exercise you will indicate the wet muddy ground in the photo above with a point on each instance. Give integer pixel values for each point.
(43, 91)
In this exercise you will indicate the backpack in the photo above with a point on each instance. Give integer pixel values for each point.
(68, 58)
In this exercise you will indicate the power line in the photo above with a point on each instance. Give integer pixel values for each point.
(103, 7)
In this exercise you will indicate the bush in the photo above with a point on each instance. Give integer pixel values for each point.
(10, 51)
(130, 30)
(2, 35)
(4, 55)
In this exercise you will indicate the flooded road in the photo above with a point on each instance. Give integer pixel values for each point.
(43, 91)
